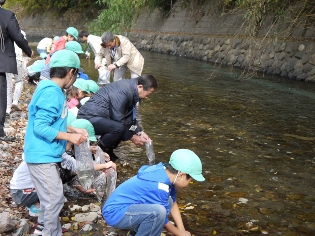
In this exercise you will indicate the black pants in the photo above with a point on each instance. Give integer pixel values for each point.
(112, 132)
(3, 101)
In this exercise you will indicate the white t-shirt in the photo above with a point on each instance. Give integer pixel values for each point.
(21, 178)
(94, 43)
(44, 43)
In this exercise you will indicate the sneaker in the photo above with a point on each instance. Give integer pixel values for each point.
(7, 138)
(39, 229)
(33, 211)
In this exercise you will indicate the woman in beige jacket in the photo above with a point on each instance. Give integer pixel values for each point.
(120, 54)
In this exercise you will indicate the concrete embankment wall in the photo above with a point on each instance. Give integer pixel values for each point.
(200, 32)
(290, 59)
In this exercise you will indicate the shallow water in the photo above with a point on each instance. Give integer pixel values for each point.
(254, 135)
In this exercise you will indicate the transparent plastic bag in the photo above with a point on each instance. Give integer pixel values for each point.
(84, 164)
(150, 151)
(111, 177)
(105, 181)
(99, 185)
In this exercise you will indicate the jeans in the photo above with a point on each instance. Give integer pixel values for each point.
(22, 198)
(144, 219)
(41, 51)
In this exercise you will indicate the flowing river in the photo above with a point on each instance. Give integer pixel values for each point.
(253, 133)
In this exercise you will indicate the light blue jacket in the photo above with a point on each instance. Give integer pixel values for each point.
(150, 186)
(47, 115)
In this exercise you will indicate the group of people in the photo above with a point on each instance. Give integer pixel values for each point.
(103, 115)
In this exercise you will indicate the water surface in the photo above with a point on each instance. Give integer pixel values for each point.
(254, 135)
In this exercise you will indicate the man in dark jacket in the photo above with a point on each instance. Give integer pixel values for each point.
(10, 32)
(112, 112)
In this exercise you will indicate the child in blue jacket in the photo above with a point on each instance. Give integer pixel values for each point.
(46, 137)
(142, 204)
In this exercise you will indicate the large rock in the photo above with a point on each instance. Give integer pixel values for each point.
(84, 217)
(22, 229)
(6, 223)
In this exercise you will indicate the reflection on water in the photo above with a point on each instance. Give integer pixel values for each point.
(255, 138)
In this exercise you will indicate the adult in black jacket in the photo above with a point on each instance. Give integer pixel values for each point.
(112, 112)
(10, 32)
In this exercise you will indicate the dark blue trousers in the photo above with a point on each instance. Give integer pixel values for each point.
(3, 101)
(112, 132)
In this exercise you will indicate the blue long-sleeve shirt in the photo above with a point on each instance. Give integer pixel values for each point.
(47, 115)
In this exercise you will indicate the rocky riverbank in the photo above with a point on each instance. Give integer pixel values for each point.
(81, 214)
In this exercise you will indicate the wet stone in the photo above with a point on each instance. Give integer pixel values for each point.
(237, 194)
(266, 211)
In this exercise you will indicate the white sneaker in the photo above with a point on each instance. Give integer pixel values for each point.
(39, 229)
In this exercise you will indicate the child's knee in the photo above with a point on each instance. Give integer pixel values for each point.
(160, 213)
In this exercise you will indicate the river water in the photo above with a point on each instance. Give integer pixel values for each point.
(254, 135)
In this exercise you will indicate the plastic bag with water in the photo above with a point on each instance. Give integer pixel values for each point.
(150, 152)
(84, 164)
(99, 185)
(105, 181)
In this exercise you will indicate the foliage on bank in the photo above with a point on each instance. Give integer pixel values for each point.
(291, 12)
(118, 15)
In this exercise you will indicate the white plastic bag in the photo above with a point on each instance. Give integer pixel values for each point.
(104, 75)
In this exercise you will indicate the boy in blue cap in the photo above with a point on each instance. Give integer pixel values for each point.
(142, 204)
(46, 137)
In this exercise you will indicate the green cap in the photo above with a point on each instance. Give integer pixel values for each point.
(73, 31)
(74, 46)
(56, 38)
(65, 58)
(85, 124)
(71, 117)
(82, 85)
(93, 87)
(188, 162)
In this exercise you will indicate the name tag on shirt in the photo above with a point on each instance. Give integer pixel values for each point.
(164, 187)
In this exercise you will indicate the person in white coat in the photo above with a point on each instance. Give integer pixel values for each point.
(120, 55)
(94, 44)
(44, 46)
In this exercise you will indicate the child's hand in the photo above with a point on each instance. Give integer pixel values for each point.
(107, 157)
(106, 168)
(112, 165)
(77, 139)
(78, 131)
(90, 191)
(185, 233)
